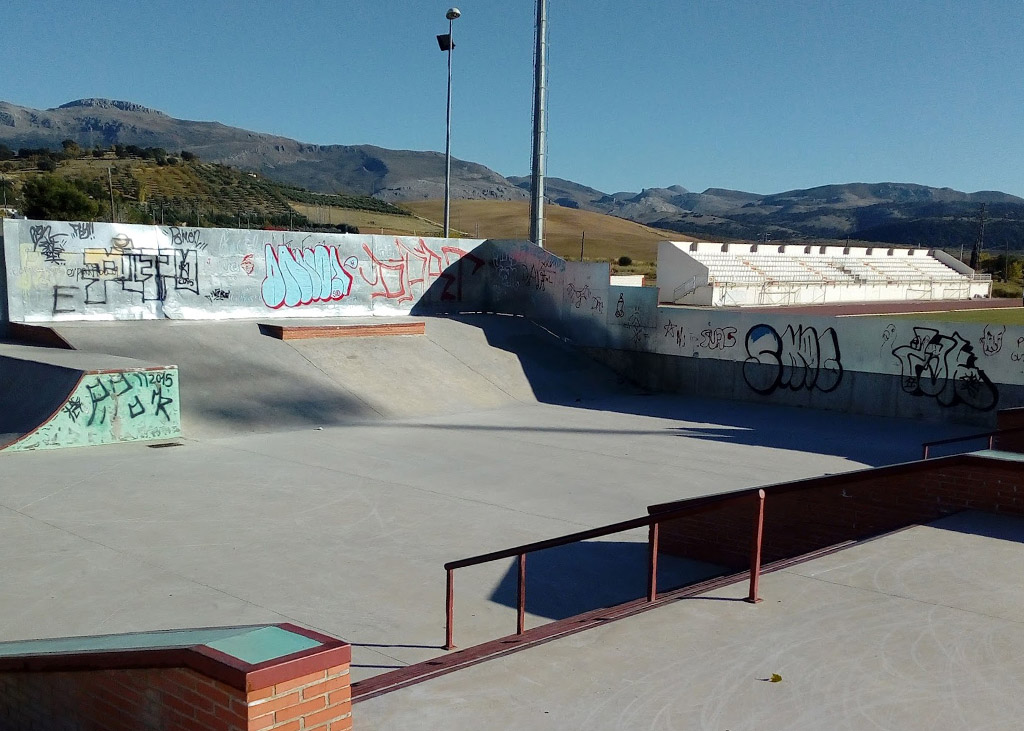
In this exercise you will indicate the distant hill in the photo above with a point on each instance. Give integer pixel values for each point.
(361, 169)
(900, 213)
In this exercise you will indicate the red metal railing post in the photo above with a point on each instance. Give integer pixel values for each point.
(652, 565)
(521, 596)
(449, 610)
(755, 549)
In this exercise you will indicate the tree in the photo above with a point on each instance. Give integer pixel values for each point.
(50, 198)
(7, 191)
(71, 148)
(6, 153)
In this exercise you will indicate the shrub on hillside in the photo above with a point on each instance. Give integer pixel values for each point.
(51, 198)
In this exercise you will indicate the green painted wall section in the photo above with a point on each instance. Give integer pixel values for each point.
(110, 407)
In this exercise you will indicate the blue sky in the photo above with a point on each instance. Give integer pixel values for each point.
(757, 96)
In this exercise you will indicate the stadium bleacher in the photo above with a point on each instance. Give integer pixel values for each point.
(752, 274)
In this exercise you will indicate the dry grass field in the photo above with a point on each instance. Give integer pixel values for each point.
(607, 237)
(369, 222)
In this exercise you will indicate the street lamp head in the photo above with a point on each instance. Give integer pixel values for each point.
(453, 13)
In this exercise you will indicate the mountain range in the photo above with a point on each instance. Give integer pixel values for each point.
(902, 213)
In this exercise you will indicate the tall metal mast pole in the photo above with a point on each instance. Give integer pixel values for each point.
(539, 127)
(451, 15)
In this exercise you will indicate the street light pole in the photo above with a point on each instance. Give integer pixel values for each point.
(447, 44)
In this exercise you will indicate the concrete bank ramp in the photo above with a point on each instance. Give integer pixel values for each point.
(60, 398)
(236, 379)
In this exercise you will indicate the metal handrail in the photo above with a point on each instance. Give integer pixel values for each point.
(990, 435)
(651, 521)
(690, 285)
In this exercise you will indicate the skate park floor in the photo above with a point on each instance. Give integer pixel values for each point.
(344, 528)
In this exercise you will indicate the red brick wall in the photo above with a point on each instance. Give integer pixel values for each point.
(120, 700)
(320, 700)
(813, 514)
(1010, 419)
(171, 699)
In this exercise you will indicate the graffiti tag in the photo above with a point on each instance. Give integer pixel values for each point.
(302, 276)
(944, 367)
(83, 230)
(414, 268)
(718, 338)
(47, 243)
(992, 340)
(799, 358)
(577, 296)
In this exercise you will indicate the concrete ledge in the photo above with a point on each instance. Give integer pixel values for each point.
(305, 332)
(220, 679)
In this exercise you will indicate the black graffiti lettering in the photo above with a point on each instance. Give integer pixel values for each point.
(119, 385)
(186, 278)
(217, 295)
(83, 230)
(98, 393)
(718, 338)
(135, 408)
(186, 236)
(73, 408)
(62, 294)
(799, 359)
(150, 274)
(161, 402)
(945, 367)
(51, 245)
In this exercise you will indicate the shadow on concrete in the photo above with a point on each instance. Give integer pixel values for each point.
(560, 374)
(871, 440)
(234, 379)
(569, 580)
(990, 525)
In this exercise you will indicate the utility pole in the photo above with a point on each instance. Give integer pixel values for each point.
(583, 239)
(110, 187)
(980, 243)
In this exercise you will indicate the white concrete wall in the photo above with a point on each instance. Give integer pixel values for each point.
(870, 365)
(680, 272)
(59, 271)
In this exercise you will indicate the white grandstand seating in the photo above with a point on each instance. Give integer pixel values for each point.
(715, 273)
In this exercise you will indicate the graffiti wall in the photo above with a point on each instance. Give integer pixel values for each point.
(897, 367)
(74, 271)
(584, 304)
(112, 407)
(100, 271)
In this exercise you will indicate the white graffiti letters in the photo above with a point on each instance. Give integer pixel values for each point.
(303, 276)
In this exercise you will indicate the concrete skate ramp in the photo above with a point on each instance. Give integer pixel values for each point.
(235, 379)
(30, 391)
(36, 384)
